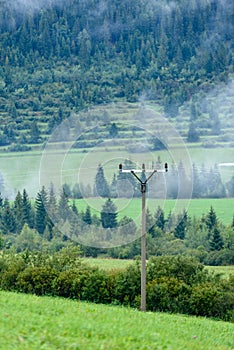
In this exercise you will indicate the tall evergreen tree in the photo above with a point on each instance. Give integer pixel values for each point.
(28, 214)
(63, 206)
(182, 222)
(109, 214)
(160, 220)
(18, 211)
(41, 204)
(216, 242)
(101, 187)
(87, 218)
(211, 219)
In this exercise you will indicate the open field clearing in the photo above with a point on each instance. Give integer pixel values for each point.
(109, 264)
(31, 322)
(195, 207)
(23, 169)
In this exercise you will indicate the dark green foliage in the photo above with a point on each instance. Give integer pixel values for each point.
(168, 294)
(184, 269)
(109, 214)
(101, 187)
(216, 242)
(208, 299)
(173, 284)
(211, 219)
(36, 279)
(182, 222)
(41, 218)
(127, 287)
(66, 58)
(87, 216)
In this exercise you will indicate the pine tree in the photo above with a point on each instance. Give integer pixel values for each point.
(160, 220)
(211, 219)
(216, 242)
(182, 222)
(87, 218)
(41, 203)
(18, 211)
(109, 214)
(101, 187)
(34, 133)
(63, 206)
(8, 220)
(193, 135)
(27, 210)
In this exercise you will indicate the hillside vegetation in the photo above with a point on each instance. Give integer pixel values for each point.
(60, 57)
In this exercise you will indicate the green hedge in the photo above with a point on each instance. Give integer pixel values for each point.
(174, 284)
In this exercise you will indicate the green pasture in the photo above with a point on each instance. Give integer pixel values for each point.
(223, 207)
(47, 323)
(62, 164)
(112, 264)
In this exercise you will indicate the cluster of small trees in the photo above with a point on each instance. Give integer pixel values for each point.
(41, 224)
(207, 183)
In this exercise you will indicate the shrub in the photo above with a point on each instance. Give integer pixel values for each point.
(168, 294)
(128, 285)
(11, 266)
(208, 299)
(185, 269)
(95, 287)
(38, 280)
(69, 283)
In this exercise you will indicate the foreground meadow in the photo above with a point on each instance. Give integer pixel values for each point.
(31, 322)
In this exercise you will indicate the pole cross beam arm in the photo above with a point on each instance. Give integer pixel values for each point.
(133, 173)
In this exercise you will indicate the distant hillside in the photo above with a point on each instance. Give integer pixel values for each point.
(59, 57)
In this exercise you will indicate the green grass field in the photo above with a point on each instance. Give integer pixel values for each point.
(112, 264)
(224, 208)
(23, 169)
(28, 322)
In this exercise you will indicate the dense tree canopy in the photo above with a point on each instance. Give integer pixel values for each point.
(70, 54)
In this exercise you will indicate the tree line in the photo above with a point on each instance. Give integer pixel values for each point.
(207, 183)
(40, 225)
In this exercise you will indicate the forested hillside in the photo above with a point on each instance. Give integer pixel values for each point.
(58, 57)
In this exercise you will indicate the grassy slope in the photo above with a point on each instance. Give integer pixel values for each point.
(196, 207)
(30, 322)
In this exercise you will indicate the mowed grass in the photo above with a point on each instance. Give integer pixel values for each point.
(47, 323)
(223, 207)
(24, 169)
(119, 264)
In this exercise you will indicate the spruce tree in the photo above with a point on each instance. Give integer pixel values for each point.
(211, 219)
(160, 220)
(216, 242)
(41, 203)
(182, 222)
(101, 187)
(109, 214)
(28, 214)
(87, 218)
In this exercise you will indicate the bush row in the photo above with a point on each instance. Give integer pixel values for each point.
(174, 284)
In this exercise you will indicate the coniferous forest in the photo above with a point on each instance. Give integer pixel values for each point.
(58, 57)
